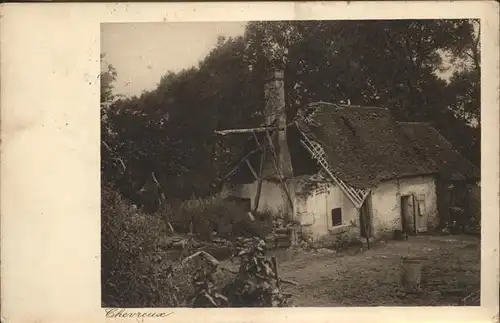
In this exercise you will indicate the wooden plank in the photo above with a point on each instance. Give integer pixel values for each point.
(250, 130)
(234, 131)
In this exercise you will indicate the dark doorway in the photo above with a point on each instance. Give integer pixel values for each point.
(407, 214)
(365, 218)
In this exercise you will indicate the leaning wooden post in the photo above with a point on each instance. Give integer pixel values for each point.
(364, 215)
(261, 171)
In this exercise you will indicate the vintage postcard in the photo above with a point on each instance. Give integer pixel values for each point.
(250, 162)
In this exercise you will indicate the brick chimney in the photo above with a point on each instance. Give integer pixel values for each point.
(275, 112)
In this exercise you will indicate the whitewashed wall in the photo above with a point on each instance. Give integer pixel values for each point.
(313, 210)
(386, 202)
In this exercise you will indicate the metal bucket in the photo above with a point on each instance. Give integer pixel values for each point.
(412, 274)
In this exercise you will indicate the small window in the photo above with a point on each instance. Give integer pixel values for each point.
(336, 217)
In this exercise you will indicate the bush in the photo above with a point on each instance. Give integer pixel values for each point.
(255, 284)
(135, 268)
(138, 270)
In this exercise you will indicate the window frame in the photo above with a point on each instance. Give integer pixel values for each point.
(333, 225)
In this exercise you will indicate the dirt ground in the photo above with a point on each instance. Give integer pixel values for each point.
(373, 277)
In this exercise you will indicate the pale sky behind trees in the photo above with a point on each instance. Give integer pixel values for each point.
(143, 52)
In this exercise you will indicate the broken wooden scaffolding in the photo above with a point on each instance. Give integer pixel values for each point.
(266, 147)
(356, 195)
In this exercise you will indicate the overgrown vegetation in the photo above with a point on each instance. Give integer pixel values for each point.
(216, 216)
(138, 268)
(257, 283)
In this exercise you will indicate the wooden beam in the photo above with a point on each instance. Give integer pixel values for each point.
(211, 259)
(238, 163)
(251, 169)
(364, 213)
(248, 130)
(259, 183)
(251, 130)
(261, 175)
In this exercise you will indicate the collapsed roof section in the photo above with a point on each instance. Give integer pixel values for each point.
(359, 147)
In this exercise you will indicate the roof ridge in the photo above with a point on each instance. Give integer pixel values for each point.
(450, 145)
(446, 142)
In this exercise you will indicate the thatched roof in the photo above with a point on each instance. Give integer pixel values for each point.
(363, 145)
(439, 152)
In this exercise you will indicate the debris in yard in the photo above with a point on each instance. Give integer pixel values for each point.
(204, 255)
(325, 250)
(250, 216)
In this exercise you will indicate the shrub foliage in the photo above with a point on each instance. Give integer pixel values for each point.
(139, 268)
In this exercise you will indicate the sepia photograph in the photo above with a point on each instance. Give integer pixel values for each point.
(298, 163)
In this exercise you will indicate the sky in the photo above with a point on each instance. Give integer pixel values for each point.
(143, 52)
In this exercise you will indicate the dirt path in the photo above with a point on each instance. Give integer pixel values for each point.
(372, 277)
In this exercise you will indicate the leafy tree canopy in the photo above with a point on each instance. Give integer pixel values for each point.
(395, 64)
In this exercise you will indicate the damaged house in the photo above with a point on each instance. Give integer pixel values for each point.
(337, 166)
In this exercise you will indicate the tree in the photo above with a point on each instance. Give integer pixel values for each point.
(109, 157)
(170, 130)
